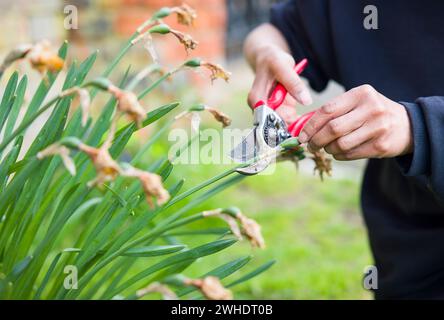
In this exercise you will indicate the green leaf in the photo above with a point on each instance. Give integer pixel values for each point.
(152, 251)
(194, 253)
(252, 274)
(6, 104)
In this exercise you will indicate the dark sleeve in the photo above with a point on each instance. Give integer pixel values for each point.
(427, 159)
(304, 25)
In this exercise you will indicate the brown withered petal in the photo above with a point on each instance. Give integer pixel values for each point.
(43, 58)
(151, 183)
(128, 103)
(63, 152)
(217, 72)
(164, 290)
(188, 42)
(185, 14)
(322, 164)
(211, 288)
(232, 223)
(252, 230)
(106, 167)
(219, 116)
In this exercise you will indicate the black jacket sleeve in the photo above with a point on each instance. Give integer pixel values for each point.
(427, 160)
(308, 36)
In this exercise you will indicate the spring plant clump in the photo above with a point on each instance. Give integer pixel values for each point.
(79, 222)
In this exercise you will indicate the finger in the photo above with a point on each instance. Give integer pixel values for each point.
(339, 127)
(262, 84)
(333, 109)
(292, 82)
(364, 151)
(287, 110)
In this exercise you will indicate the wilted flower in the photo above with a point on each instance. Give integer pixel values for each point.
(18, 53)
(41, 56)
(147, 44)
(322, 164)
(216, 71)
(188, 42)
(63, 152)
(85, 101)
(219, 116)
(164, 290)
(252, 230)
(185, 14)
(232, 222)
(211, 288)
(151, 183)
(107, 169)
(128, 103)
(248, 227)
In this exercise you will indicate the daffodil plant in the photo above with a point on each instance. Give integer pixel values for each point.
(79, 222)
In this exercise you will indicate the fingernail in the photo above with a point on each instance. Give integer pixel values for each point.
(305, 97)
(302, 137)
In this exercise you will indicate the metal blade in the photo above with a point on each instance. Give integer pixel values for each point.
(255, 168)
(246, 150)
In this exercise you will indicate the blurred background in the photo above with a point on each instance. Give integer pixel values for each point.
(313, 229)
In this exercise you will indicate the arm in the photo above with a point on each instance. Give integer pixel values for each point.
(362, 123)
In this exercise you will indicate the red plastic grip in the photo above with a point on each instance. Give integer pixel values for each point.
(296, 127)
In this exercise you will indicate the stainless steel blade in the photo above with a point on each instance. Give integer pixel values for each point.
(255, 168)
(246, 150)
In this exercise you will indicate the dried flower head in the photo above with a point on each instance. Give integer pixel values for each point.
(185, 14)
(219, 116)
(41, 56)
(216, 71)
(44, 58)
(211, 288)
(164, 290)
(322, 164)
(128, 103)
(248, 227)
(231, 221)
(151, 183)
(107, 169)
(252, 230)
(63, 152)
(84, 99)
(188, 42)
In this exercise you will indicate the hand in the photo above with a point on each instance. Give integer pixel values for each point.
(275, 64)
(361, 123)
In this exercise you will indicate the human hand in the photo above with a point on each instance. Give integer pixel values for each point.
(361, 123)
(275, 64)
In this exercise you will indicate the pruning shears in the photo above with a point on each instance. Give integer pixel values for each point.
(269, 130)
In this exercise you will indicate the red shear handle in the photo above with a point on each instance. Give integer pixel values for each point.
(296, 127)
(279, 93)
